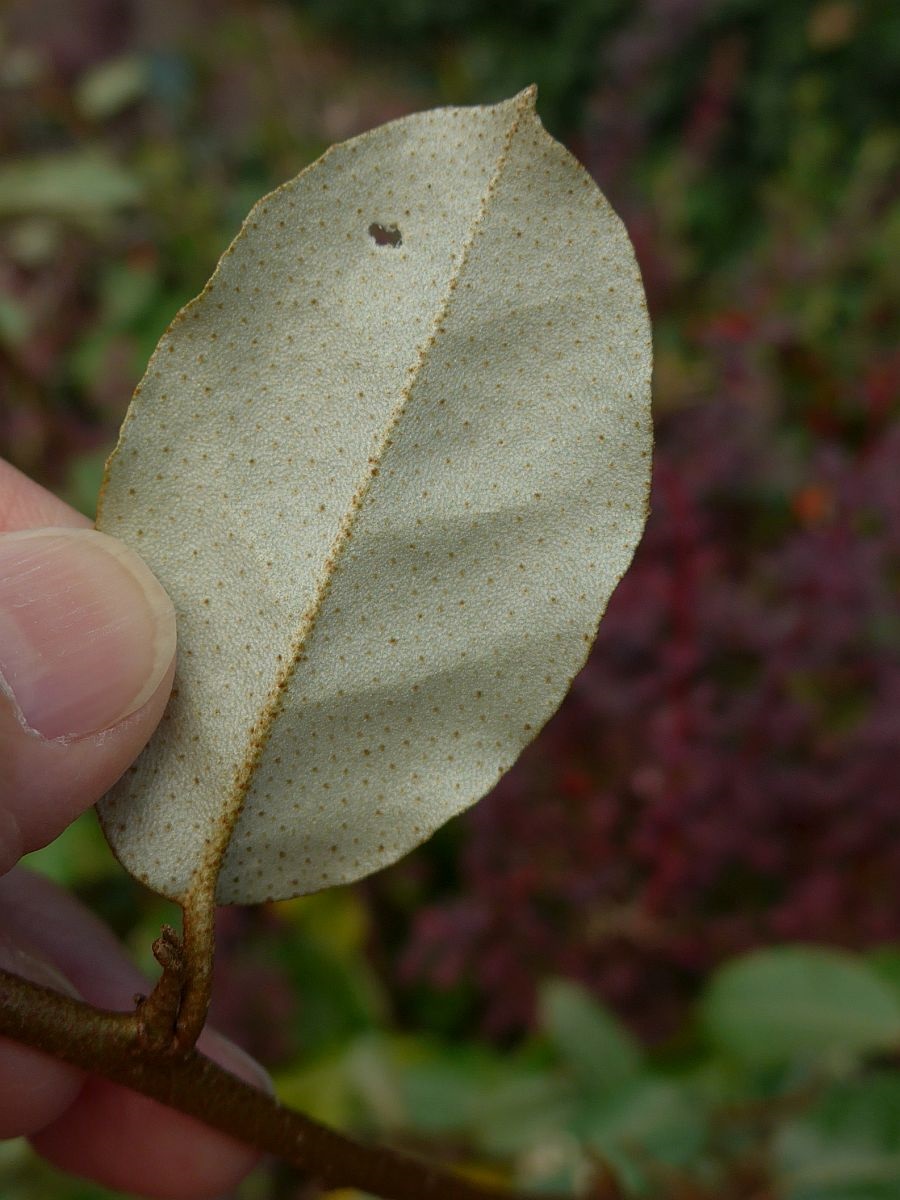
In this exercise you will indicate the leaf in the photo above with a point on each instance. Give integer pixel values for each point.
(513, 1114)
(390, 484)
(112, 86)
(798, 1002)
(82, 186)
(15, 322)
(651, 1121)
(885, 962)
(84, 476)
(847, 1147)
(601, 1052)
(78, 857)
(441, 1092)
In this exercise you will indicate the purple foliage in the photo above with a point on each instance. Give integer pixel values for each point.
(723, 773)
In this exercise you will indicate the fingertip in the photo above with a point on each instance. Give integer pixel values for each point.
(86, 631)
(48, 783)
(35, 1089)
(127, 1142)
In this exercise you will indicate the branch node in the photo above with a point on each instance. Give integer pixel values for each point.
(168, 950)
(157, 1014)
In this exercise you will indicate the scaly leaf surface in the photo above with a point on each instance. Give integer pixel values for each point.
(390, 465)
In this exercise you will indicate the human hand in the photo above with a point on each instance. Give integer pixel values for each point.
(87, 648)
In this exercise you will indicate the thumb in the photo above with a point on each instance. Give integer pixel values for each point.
(87, 645)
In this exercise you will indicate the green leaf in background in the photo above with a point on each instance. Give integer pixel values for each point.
(108, 88)
(33, 242)
(15, 321)
(369, 1068)
(654, 1121)
(79, 856)
(848, 1147)
(440, 1086)
(885, 962)
(81, 186)
(83, 481)
(600, 1051)
(796, 1002)
(24, 1177)
(321, 1090)
(515, 1114)
(339, 995)
(126, 293)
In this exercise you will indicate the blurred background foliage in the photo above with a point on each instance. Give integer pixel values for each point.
(662, 953)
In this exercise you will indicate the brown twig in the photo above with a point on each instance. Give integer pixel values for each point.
(114, 1045)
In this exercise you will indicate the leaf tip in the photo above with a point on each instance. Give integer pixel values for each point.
(527, 98)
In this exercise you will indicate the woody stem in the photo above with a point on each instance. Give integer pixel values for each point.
(110, 1044)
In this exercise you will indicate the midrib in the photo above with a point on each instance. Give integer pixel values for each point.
(261, 730)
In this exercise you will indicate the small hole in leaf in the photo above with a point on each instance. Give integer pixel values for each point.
(385, 235)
